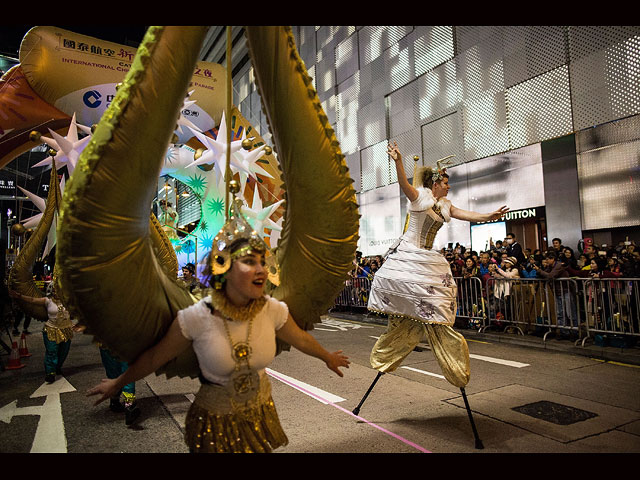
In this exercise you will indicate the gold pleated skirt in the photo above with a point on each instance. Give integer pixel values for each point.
(58, 335)
(214, 424)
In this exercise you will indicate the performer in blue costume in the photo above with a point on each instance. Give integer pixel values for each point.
(114, 368)
(57, 331)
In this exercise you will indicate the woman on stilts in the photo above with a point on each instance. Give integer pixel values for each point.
(415, 287)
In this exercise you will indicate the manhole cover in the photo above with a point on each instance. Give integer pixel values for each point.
(554, 412)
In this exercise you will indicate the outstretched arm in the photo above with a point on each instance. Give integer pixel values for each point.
(405, 186)
(475, 216)
(25, 298)
(303, 341)
(169, 347)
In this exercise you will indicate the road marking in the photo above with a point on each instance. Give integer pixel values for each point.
(297, 385)
(306, 388)
(509, 363)
(424, 372)
(50, 436)
(616, 363)
(477, 341)
(341, 325)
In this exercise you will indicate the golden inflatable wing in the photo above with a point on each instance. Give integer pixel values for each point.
(21, 275)
(112, 274)
(320, 229)
(113, 279)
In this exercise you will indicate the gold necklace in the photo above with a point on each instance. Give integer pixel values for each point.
(244, 382)
(227, 309)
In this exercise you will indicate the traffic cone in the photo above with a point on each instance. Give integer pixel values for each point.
(14, 358)
(23, 350)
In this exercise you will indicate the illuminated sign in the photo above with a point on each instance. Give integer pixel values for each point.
(524, 213)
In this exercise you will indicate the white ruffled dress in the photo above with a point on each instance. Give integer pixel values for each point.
(415, 281)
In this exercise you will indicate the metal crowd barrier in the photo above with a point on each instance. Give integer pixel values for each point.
(581, 309)
(532, 305)
(355, 293)
(611, 306)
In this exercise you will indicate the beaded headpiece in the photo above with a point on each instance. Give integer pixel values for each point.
(238, 228)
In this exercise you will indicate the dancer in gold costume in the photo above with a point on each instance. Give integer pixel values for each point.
(57, 331)
(233, 332)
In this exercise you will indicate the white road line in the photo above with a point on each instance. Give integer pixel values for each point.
(424, 373)
(509, 363)
(307, 389)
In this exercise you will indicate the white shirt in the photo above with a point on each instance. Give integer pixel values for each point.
(52, 315)
(211, 343)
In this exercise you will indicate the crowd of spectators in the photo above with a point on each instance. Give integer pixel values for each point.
(508, 259)
(502, 257)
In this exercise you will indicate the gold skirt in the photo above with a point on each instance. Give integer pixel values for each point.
(58, 335)
(214, 424)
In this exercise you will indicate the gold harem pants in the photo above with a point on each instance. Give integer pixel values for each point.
(404, 334)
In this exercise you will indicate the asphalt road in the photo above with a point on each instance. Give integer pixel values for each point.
(524, 400)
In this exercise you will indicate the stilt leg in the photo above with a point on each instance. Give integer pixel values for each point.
(479, 444)
(357, 409)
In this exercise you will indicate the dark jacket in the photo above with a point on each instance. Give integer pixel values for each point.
(515, 250)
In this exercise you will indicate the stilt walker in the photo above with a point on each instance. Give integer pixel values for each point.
(415, 287)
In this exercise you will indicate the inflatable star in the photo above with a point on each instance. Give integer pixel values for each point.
(216, 148)
(68, 148)
(32, 222)
(258, 216)
(246, 165)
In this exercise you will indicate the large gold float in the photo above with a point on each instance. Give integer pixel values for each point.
(114, 267)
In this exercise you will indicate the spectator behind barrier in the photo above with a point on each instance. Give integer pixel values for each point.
(514, 249)
(527, 270)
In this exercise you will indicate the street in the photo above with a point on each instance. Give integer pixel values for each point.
(524, 400)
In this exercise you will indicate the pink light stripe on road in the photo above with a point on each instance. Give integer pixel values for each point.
(384, 430)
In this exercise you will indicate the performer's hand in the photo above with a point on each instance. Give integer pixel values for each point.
(498, 213)
(107, 388)
(336, 360)
(393, 151)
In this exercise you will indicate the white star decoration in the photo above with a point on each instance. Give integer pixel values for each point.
(69, 148)
(258, 217)
(32, 222)
(247, 165)
(216, 149)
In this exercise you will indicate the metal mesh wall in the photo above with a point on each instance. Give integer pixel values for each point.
(472, 91)
(548, 93)
(605, 74)
(510, 86)
(608, 174)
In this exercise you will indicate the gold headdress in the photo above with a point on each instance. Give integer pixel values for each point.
(235, 229)
(440, 170)
(437, 173)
